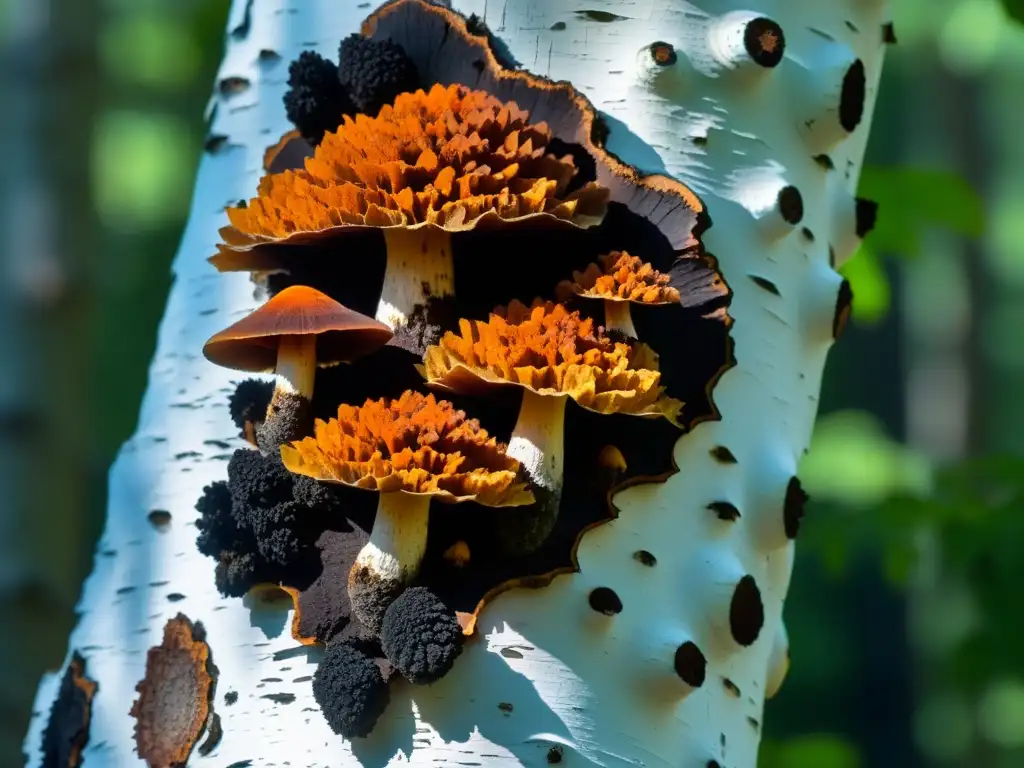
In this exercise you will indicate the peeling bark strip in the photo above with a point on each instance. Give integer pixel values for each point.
(548, 661)
(175, 696)
(67, 730)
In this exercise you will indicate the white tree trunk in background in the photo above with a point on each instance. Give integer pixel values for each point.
(547, 670)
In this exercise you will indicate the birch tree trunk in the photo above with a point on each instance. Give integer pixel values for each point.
(550, 680)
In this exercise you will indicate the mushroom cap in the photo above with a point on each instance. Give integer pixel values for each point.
(554, 352)
(621, 277)
(342, 334)
(414, 444)
(452, 158)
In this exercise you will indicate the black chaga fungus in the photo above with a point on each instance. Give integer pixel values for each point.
(350, 689)
(282, 535)
(374, 72)
(237, 573)
(420, 636)
(315, 100)
(256, 481)
(217, 527)
(67, 730)
(320, 498)
(249, 401)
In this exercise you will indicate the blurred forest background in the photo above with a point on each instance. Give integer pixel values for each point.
(905, 619)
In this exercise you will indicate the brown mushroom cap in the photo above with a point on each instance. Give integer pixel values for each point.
(342, 334)
(552, 351)
(621, 277)
(414, 444)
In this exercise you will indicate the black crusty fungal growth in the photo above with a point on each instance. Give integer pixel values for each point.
(261, 524)
(374, 72)
(793, 507)
(236, 573)
(421, 636)
(217, 527)
(67, 730)
(315, 100)
(350, 689)
(249, 401)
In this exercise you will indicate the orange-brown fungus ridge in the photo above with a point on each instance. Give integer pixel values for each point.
(450, 157)
(623, 277)
(174, 696)
(415, 444)
(551, 350)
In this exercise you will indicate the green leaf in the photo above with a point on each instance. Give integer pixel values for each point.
(1014, 9)
(871, 291)
(820, 751)
(910, 200)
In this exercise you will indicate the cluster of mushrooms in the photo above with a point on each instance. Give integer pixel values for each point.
(429, 166)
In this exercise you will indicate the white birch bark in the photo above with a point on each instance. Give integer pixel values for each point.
(547, 671)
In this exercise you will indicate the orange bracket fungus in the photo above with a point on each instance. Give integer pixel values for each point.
(291, 334)
(67, 730)
(408, 450)
(553, 355)
(429, 165)
(621, 279)
(175, 695)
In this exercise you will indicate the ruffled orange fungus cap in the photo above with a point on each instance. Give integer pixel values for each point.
(450, 158)
(415, 444)
(554, 352)
(622, 277)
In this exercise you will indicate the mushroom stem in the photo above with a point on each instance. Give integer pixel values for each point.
(391, 558)
(537, 442)
(419, 266)
(296, 366)
(288, 414)
(617, 317)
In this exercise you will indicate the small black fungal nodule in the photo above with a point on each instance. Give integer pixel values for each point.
(230, 697)
(764, 41)
(722, 455)
(315, 100)
(350, 689)
(725, 510)
(374, 72)
(554, 755)
(663, 54)
(746, 612)
(844, 307)
(214, 143)
(604, 600)
(765, 283)
(229, 86)
(160, 519)
(249, 401)
(866, 216)
(602, 16)
(793, 507)
(644, 557)
(421, 636)
(791, 205)
(853, 96)
(690, 664)
(825, 162)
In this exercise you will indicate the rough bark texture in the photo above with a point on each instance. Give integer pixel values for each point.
(701, 561)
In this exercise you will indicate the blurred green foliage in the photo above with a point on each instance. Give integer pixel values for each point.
(1014, 9)
(911, 202)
